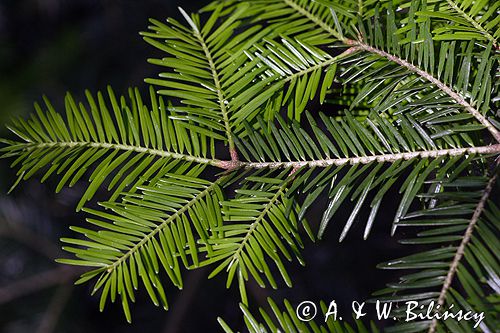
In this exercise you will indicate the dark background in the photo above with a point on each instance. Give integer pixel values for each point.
(52, 46)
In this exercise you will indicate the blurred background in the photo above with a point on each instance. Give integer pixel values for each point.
(53, 46)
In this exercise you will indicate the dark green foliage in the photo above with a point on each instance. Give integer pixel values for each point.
(129, 139)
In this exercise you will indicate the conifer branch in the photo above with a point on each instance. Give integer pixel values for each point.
(268, 206)
(185, 208)
(390, 158)
(122, 147)
(314, 19)
(443, 87)
(232, 76)
(220, 95)
(474, 23)
(461, 249)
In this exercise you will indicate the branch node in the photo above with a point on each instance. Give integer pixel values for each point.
(234, 155)
(228, 165)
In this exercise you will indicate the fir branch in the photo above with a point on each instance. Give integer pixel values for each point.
(38, 282)
(474, 23)
(429, 131)
(390, 158)
(183, 210)
(461, 249)
(255, 224)
(123, 147)
(220, 94)
(314, 19)
(427, 76)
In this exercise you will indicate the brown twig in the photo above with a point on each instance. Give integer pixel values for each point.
(38, 282)
(34, 241)
(443, 87)
(390, 158)
(55, 309)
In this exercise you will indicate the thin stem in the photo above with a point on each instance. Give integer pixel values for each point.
(235, 164)
(55, 309)
(31, 239)
(390, 158)
(443, 87)
(461, 249)
(38, 282)
(153, 152)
